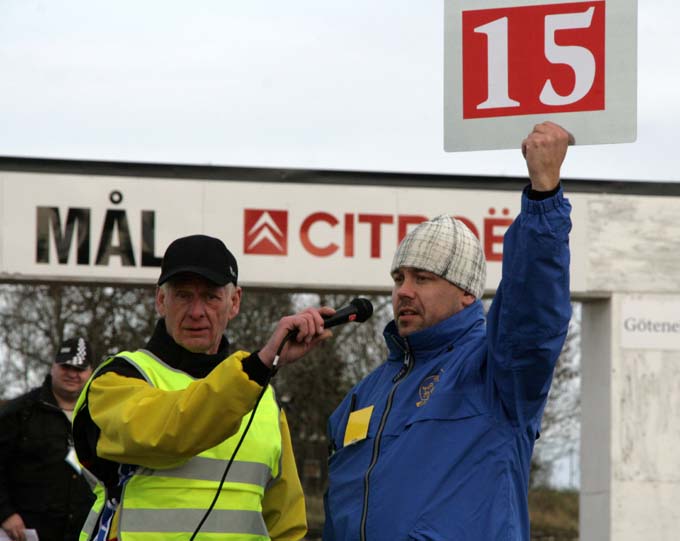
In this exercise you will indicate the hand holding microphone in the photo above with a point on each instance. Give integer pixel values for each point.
(358, 310)
(297, 334)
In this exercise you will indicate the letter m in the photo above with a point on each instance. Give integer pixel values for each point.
(48, 220)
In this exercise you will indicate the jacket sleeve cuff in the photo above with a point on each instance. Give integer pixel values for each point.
(255, 369)
(535, 195)
(534, 202)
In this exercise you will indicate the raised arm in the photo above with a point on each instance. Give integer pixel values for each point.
(528, 320)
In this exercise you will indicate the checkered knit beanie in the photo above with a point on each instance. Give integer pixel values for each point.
(446, 247)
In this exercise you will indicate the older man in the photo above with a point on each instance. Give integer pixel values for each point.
(436, 443)
(158, 426)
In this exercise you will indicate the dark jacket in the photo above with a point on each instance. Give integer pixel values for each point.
(35, 479)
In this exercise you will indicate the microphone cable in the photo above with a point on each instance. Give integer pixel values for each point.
(272, 373)
(359, 310)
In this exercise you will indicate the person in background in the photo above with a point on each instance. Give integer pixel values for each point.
(436, 443)
(42, 486)
(158, 426)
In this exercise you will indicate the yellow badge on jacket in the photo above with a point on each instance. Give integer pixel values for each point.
(357, 425)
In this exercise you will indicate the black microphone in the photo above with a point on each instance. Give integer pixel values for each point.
(358, 310)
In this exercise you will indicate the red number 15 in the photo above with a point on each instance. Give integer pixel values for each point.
(533, 59)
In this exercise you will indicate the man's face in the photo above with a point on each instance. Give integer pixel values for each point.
(197, 312)
(68, 381)
(421, 299)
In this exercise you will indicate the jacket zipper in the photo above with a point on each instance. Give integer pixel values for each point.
(69, 432)
(405, 371)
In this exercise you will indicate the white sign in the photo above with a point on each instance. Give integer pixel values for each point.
(510, 65)
(298, 236)
(31, 535)
(650, 322)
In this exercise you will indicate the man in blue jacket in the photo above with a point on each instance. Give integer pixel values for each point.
(436, 443)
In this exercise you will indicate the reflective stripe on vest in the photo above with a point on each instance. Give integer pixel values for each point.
(169, 503)
(210, 469)
(93, 516)
(184, 521)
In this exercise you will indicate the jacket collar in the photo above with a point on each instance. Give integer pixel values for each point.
(427, 342)
(45, 394)
(197, 365)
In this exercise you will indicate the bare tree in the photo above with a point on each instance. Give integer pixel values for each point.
(34, 319)
(562, 417)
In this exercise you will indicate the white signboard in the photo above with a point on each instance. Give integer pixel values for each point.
(650, 322)
(298, 236)
(510, 64)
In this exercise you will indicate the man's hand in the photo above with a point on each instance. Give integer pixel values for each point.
(308, 326)
(544, 150)
(15, 528)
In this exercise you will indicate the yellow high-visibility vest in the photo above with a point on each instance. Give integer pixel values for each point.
(168, 504)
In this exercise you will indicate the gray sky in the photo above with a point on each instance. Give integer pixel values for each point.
(347, 85)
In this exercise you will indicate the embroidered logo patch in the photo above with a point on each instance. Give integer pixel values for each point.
(427, 388)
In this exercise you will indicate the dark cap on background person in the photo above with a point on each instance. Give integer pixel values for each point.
(446, 247)
(199, 254)
(75, 352)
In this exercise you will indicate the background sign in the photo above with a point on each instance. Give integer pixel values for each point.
(650, 322)
(510, 66)
(296, 236)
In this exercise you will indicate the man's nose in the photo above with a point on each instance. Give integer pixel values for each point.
(405, 289)
(197, 308)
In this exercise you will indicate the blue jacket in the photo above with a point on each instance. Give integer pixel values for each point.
(457, 406)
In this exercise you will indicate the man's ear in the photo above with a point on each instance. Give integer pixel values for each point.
(468, 299)
(160, 301)
(236, 295)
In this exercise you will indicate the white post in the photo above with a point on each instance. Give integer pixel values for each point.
(630, 385)
(595, 496)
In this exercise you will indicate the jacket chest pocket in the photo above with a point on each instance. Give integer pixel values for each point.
(439, 404)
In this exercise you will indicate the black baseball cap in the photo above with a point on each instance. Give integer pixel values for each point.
(75, 352)
(199, 254)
